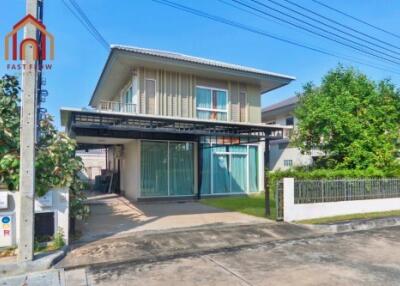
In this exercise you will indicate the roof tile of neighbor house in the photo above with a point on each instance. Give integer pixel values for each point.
(284, 103)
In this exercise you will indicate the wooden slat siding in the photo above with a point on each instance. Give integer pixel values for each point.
(176, 95)
(141, 91)
(158, 85)
(254, 104)
(179, 95)
(234, 102)
(185, 95)
(174, 92)
(222, 84)
(165, 111)
(193, 97)
(150, 91)
(243, 102)
(190, 103)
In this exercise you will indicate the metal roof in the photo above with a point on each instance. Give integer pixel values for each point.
(284, 103)
(187, 58)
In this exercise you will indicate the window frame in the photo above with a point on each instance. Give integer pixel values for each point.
(226, 110)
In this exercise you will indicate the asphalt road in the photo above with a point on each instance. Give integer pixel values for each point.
(358, 258)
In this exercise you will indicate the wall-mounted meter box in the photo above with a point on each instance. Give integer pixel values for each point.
(3, 200)
(45, 201)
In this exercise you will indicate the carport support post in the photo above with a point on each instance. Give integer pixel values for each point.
(27, 153)
(266, 179)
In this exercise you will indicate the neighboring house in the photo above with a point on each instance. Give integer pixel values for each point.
(93, 161)
(176, 125)
(281, 155)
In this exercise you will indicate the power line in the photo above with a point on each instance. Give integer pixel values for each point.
(261, 32)
(342, 25)
(357, 19)
(330, 26)
(86, 19)
(87, 24)
(319, 34)
(358, 60)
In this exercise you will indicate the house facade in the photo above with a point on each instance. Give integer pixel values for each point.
(282, 155)
(177, 126)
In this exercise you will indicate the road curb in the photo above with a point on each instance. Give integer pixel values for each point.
(356, 225)
(42, 262)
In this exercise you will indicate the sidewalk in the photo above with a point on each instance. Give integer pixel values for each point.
(162, 245)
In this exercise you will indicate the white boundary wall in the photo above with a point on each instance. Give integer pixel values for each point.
(56, 201)
(295, 212)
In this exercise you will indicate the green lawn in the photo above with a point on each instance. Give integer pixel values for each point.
(342, 218)
(252, 204)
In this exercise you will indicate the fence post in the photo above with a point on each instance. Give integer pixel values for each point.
(288, 199)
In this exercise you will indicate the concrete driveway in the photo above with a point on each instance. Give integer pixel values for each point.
(113, 215)
(356, 258)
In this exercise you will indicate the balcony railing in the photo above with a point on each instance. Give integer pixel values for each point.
(118, 106)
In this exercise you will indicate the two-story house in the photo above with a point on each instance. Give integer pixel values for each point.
(177, 125)
(282, 155)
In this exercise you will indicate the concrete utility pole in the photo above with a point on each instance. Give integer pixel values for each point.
(27, 145)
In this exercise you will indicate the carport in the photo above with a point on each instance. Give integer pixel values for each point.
(229, 143)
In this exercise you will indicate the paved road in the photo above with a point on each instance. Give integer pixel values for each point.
(358, 258)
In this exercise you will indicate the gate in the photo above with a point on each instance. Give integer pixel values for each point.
(279, 200)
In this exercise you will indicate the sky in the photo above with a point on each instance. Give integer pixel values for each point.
(79, 58)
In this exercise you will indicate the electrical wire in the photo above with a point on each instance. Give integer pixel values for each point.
(82, 18)
(390, 59)
(262, 33)
(357, 19)
(340, 24)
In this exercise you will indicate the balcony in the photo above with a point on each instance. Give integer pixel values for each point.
(117, 106)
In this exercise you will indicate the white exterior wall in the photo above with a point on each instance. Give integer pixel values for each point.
(278, 156)
(58, 203)
(295, 212)
(130, 170)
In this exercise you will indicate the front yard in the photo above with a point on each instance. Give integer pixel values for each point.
(251, 204)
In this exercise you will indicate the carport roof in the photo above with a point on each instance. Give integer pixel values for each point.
(96, 123)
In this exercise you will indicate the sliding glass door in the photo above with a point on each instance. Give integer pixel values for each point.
(167, 169)
(229, 169)
(154, 169)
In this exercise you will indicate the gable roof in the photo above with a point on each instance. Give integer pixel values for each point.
(127, 55)
(281, 104)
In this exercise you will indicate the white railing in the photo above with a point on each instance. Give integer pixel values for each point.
(117, 106)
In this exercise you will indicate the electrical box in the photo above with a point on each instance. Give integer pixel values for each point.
(45, 201)
(3, 200)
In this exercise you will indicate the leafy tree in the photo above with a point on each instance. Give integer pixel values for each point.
(55, 165)
(352, 119)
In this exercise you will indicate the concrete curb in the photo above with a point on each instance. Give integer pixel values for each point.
(42, 262)
(356, 225)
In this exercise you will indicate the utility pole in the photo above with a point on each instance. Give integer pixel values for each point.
(27, 145)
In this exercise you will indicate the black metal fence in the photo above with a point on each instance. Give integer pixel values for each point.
(319, 191)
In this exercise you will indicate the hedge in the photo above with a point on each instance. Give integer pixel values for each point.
(304, 174)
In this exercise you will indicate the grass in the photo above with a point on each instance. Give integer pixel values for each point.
(343, 218)
(251, 204)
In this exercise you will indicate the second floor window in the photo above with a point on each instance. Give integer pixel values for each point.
(211, 103)
(290, 121)
(128, 104)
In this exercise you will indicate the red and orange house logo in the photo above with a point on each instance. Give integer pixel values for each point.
(45, 36)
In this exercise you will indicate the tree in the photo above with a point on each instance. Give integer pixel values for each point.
(55, 164)
(352, 119)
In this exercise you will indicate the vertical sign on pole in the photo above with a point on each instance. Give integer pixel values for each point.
(27, 145)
